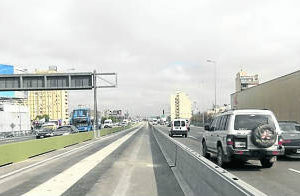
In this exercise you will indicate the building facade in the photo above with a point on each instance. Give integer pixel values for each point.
(14, 115)
(52, 103)
(244, 81)
(181, 106)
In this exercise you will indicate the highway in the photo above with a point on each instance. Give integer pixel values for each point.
(282, 179)
(126, 163)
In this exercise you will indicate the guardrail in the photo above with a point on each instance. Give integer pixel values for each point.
(201, 176)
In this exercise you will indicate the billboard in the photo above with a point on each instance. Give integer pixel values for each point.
(7, 69)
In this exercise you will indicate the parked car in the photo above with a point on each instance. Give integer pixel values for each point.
(179, 127)
(244, 135)
(65, 130)
(290, 138)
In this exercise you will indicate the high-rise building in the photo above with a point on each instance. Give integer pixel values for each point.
(52, 103)
(181, 106)
(244, 81)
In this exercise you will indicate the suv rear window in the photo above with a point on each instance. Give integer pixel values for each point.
(251, 121)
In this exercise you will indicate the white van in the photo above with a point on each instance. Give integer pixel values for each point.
(179, 127)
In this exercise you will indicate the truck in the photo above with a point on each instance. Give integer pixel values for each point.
(280, 95)
(81, 119)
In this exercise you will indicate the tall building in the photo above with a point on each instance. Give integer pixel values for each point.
(52, 103)
(181, 106)
(244, 81)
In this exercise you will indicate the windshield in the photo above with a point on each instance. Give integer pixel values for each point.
(251, 122)
(289, 127)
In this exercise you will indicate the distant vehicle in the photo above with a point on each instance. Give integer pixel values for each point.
(108, 123)
(55, 122)
(65, 130)
(162, 122)
(188, 124)
(9, 135)
(47, 130)
(244, 135)
(154, 122)
(179, 127)
(169, 124)
(290, 138)
(49, 125)
(81, 119)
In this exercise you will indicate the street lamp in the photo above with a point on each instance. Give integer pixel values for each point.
(215, 64)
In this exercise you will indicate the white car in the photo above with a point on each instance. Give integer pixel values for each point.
(108, 123)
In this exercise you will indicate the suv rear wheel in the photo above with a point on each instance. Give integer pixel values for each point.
(220, 157)
(266, 163)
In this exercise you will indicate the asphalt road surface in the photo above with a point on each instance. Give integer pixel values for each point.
(125, 163)
(282, 179)
(16, 139)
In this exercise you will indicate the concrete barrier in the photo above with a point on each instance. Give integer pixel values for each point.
(201, 176)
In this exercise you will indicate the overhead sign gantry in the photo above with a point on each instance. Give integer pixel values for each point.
(58, 81)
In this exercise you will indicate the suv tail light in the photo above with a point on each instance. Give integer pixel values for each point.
(229, 140)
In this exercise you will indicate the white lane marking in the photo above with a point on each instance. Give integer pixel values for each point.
(293, 170)
(190, 136)
(58, 156)
(62, 182)
(124, 181)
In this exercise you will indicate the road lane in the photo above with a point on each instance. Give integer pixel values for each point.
(16, 139)
(136, 167)
(278, 180)
(24, 181)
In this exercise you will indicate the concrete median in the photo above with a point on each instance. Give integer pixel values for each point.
(199, 176)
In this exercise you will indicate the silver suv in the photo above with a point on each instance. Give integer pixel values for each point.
(244, 135)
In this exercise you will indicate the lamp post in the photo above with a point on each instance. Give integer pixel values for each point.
(215, 64)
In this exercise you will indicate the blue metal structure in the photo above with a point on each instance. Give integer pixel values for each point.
(81, 118)
(7, 69)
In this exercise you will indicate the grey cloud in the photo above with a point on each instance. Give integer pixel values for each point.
(155, 46)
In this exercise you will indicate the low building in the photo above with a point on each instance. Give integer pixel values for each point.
(14, 115)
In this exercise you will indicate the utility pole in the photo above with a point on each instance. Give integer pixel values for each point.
(95, 103)
(108, 84)
(215, 64)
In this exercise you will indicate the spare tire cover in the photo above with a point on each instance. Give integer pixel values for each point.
(264, 136)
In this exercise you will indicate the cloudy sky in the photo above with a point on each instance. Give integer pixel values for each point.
(156, 47)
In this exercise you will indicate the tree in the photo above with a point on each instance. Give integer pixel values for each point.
(45, 116)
